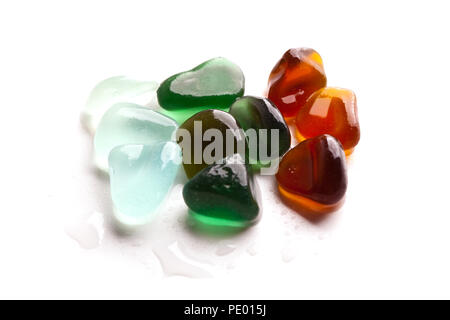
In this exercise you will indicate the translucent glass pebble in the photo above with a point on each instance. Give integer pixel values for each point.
(141, 176)
(214, 84)
(224, 125)
(224, 194)
(330, 111)
(257, 115)
(295, 77)
(312, 176)
(114, 90)
(128, 123)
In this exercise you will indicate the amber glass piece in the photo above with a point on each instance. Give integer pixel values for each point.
(305, 205)
(330, 111)
(313, 174)
(297, 75)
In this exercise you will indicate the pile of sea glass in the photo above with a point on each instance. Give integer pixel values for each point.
(201, 121)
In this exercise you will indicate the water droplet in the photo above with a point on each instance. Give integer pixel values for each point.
(251, 250)
(137, 242)
(225, 249)
(288, 253)
(175, 263)
(87, 231)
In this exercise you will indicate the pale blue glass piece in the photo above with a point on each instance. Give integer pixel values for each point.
(141, 177)
(114, 90)
(128, 123)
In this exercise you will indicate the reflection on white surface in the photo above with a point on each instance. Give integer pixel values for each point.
(390, 240)
(175, 263)
(87, 231)
(170, 247)
(224, 249)
(252, 249)
(288, 253)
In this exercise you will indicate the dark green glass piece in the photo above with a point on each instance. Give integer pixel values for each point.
(224, 194)
(215, 83)
(204, 138)
(259, 113)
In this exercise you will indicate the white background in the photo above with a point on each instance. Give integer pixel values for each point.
(391, 238)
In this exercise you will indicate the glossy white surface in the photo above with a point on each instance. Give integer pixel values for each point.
(389, 240)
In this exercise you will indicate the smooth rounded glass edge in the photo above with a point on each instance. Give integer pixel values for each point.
(181, 115)
(127, 221)
(218, 222)
(304, 204)
(301, 138)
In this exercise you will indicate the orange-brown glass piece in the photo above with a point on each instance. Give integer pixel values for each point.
(330, 111)
(313, 174)
(297, 75)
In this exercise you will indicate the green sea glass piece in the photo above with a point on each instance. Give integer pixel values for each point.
(224, 194)
(128, 123)
(114, 90)
(268, 135)
(207, 137)
(215, 83)
(141, 176)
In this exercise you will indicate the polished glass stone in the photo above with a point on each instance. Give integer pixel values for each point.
(114, 90)
(128, 123)
(256, 116)
(214, 84)
(208, 136)
(141, 176)
(297, 75)
(313, 174)
(330, 111)
(224, 194)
